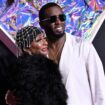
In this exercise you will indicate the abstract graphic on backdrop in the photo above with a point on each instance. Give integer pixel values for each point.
(81, 15)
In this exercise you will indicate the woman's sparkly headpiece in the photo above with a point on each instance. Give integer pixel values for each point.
(26, 35)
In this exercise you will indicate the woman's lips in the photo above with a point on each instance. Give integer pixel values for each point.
(45, 49)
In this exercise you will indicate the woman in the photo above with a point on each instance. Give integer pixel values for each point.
(32, 40)
(34, 79)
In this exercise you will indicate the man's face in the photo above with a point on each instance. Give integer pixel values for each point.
(56, 28)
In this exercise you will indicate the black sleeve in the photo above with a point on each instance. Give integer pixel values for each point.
(6, 59)
(99, 43)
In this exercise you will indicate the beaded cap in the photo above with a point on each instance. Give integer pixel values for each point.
(26, 35)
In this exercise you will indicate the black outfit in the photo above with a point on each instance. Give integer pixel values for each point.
(37, 81)
(99, 43)
(6, 59)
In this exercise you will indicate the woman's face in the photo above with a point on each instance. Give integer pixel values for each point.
(39, 45)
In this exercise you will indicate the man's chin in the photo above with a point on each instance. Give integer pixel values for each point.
(59, 34)
(55, 35)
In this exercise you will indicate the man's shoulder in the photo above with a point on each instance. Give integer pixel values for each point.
(77, 40)
(78, 45)
(73, 38)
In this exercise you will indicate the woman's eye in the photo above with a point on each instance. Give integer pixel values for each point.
(38, 40)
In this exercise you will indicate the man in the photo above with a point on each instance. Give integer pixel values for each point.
(78, 61)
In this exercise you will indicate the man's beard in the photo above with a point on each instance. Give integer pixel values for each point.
(54, 37)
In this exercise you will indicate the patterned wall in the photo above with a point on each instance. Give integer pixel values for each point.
(81, 15)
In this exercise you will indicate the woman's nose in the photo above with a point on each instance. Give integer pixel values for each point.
(45, 42)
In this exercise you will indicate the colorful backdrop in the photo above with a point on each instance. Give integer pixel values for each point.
(81, 15)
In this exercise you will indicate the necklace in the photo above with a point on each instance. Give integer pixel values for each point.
(55, 50)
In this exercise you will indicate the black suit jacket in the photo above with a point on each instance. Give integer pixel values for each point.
(99, 43)
(6, 59)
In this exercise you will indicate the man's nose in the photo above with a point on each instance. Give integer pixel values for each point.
(57, 20)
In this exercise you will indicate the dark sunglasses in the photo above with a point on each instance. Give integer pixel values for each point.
(52, 19)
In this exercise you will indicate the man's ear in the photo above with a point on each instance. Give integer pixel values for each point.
(10, 98)
(42, 24)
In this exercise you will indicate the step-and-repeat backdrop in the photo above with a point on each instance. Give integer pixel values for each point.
(81, 15)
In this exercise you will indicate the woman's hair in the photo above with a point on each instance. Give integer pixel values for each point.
(26, 35)
(36, 80)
